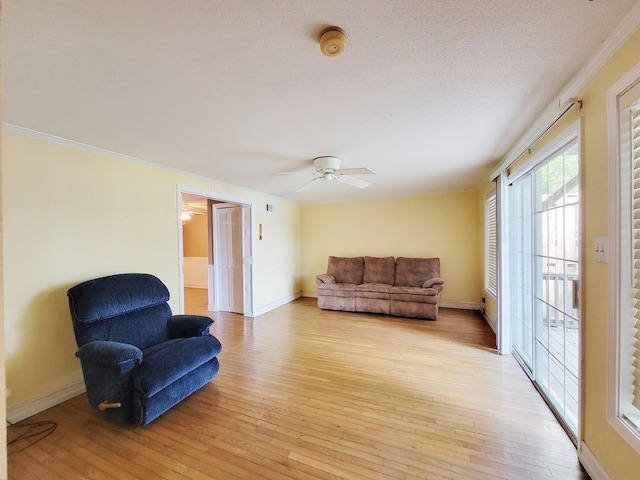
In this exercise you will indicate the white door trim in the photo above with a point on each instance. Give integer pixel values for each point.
(249, 239)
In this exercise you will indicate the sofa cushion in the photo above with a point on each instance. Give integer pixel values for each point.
(337, 289)
(413, 294)
(346, 270)
(373, 290)
(379, 270)
(413, 272)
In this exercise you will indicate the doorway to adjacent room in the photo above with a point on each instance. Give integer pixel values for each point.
(225, 267)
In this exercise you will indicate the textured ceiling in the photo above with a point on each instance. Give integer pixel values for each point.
(429, 94)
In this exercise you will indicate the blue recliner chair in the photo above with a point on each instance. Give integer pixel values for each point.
(138, 360)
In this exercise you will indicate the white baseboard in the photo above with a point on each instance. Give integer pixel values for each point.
(310, 294)
(278, 303)
(27, 409)
(591, 463)
(460, 305)
(491, 322)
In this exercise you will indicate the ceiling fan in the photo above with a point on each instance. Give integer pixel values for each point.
(328, 168)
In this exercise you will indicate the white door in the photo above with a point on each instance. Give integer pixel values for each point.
(556, 286)
(544, 278)
(228, 264)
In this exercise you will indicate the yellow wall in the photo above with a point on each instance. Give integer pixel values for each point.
(71, 215)
(619, 460)
(195, 236)
(3, 397)
(444, 226)
(279, 252)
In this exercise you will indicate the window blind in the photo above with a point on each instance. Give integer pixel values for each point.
(635, 247)
(492, 244)
(624, 203)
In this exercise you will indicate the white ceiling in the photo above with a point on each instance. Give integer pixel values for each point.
(429, 94)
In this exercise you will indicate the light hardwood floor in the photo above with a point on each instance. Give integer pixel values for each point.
(304, 393)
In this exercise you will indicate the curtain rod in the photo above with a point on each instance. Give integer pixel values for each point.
(564, 108)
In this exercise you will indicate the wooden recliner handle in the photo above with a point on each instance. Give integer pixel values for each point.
(106, 405)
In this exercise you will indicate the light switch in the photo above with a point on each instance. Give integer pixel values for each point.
(601, 249)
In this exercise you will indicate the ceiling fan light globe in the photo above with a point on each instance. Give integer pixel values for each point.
(327, 163)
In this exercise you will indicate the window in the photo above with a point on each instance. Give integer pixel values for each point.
(491, 243)
(625, 271)
(632, 364)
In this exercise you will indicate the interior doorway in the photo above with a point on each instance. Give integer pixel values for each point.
(216, 245)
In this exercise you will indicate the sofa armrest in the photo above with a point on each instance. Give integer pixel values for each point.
(109, 353)
(186, 326)
(436, 283)
(325, 278)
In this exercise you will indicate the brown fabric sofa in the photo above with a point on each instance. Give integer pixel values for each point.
(404, 287)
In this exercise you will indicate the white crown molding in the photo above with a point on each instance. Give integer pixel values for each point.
(17, 129)
(27, 132)
(613, 43)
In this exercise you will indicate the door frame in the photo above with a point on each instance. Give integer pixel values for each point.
(248, 244)
(572, 132)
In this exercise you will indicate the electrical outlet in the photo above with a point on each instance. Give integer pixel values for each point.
(601, 249)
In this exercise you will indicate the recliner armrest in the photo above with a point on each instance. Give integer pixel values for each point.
(108, 368)
(325, 278)
(436, 283)
(187, 326)
(109, 353)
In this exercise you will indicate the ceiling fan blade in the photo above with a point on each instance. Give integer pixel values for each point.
(298, 173)
(355, 171)
(308, 185)
(354, 182)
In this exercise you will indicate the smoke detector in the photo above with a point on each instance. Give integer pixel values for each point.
(332, 41)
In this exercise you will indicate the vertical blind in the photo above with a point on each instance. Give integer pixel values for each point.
(492, 244)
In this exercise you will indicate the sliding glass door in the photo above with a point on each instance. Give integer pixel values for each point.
(521, 268)
(545, 271)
